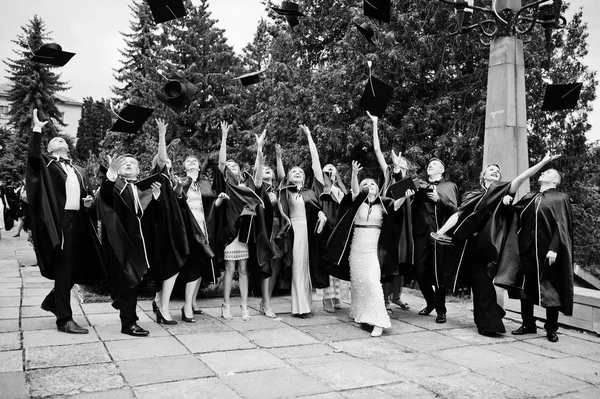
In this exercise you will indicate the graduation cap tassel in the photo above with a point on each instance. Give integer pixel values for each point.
(171, 11)
(369, 63)
(112, 108)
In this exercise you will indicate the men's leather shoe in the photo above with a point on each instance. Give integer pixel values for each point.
(115, 304)
(552, 336)
(427, 310)
(48, 308)
(441, 318)
(72, 328)
(135, 331)
(524, 330)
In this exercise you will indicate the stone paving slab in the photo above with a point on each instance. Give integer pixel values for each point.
(476, 358)
(215, 342)
(271, 384)
(124, 393)
(10, 341)
(257, 322)
(74, 380)
(163, 369)
(370, 348)
(414, 366)
(113, 332)
(534, 379)
(304, 351)
(9, 325)
(196, 388)
(145, 347)
(11, 361)
(241, 361)
(336, 332)
(13, 385)
(10, 292)
(37, 338)
(47, 323)
(10, 312)
(37, 311)
(204, 323)
(65, 355)
(408, 390)
(112, 319)
(32, 300)
(279, 337)
(576, 367)
(470, 386)
(425, 341)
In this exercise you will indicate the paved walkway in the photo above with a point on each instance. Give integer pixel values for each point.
(325, 356)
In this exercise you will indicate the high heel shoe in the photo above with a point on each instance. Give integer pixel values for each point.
(226, 311)
(161, 319)
(267, 311)
(328, 305)
(197, 311)
(245, 314)
(185, 318)
(154, 306)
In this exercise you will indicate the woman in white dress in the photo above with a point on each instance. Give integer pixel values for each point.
(369, 225)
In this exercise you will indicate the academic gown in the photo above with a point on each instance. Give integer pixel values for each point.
(201, 260)
(338, 245)
(165, 233)
(46, 196)
(124, 247)
(544, 223)
(319, 276)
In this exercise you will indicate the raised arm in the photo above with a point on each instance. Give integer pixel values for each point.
(162, 143)
(34, 148)
(223, 150)
(354, 179)
(517, 181)
(280, 169)
(314, 155)
(260, 159)
(376, 146)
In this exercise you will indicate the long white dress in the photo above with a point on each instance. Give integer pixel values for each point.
(301, 285)
(368, 304)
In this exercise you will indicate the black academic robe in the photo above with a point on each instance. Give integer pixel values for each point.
(428, 217)
(338, 246)
(165, 233)
(319, 276)
(46, 196)
(201, 260)
(247, 214)
(482, 230)
(544, 223)
(123, 244)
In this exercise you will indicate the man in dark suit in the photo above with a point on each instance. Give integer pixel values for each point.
(436, 200)
(64, 236)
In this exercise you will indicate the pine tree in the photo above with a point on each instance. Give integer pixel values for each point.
(93, 125)
(34, 85)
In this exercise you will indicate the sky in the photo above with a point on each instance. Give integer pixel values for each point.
(91, 29)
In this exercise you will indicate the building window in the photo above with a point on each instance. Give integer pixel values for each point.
(4, 111)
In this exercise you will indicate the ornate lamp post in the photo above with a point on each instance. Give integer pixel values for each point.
(502, 27)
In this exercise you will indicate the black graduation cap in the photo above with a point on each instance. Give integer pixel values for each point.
(166, 10)
(561, 96)
(52, 54)
(367, 31)
(146, 183)
(131, 118)
(376, 96)
(250, 78)
(177, 93)
(398, 189)
(291, 12)
(378, 9)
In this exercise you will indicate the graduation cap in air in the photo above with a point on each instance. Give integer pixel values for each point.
(367, 31)
(52, 54)
(561, 96)
(291, 12)
(250, 78)
(376, 96)
(177, 93)
(131, 118)
(378, 9)
(166, 10)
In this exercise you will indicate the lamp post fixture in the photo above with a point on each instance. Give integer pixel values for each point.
(503, 26)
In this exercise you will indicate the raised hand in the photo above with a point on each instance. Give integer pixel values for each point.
(162, 127)
(37, 124)
(374, 118)
(550, 157)
(278, 150)
(225, 127)
(305, 130)
(356, 167)
(115, 162)
(260, 140)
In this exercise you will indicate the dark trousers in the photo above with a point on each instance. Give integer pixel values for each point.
(486, 311)
(425, 274)
(529, 319)
(127, 305)
(59, 299)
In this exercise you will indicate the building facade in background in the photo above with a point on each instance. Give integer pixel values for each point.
(69, 108)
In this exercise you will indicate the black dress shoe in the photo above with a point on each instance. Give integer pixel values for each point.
(426, 311)
(552, 336)
(135, 331)
(71, 327)
(116, 304)
(489, 334)
(441, 318)
(47, 308)
(525, 330)
(197, 311)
